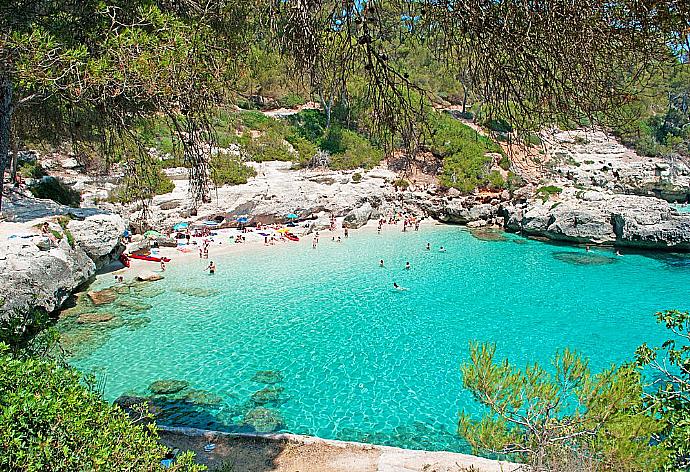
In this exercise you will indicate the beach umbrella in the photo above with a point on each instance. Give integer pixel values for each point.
(242, 219)
(284, 230)
(180, 226)
(152, 234)
(292, 216)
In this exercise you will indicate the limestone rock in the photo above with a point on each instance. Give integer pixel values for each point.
(94, 318)
(358, 217)
(99, 236)
(102, 297)
(597, 217)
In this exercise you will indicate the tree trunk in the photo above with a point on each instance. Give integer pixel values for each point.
(5, 121)
(14, 162)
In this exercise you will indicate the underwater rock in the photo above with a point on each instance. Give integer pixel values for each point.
(202, 397)
(273, 395)
(148, 277)
(578, 258)
(164, 387)
(133, 305)
(94, 318)
(263, 420)
(102, 297)
(121, 289)
(137, 323)
(485, 234)
(268, 377)
(197, 292)
(148, 291)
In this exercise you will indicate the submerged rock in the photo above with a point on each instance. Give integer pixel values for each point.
(137, 323)
(272, 395)
(95, 318)
(102, 297)
(268, 376)
(132, 305)
(197, 292)
(263, 420)
(164, 387)
(486, 234)
(578, 258)
(202, 397)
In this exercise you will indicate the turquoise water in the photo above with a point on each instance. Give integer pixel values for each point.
(681, 207)
(361, 361)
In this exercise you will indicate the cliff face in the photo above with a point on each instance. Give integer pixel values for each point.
(40, 269)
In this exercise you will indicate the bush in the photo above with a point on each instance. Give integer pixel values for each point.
(356, 177)
(504, 163)
(496, 181)
(291, 100)
(31, 170)
(349, 150)
(401, 183)
(230, 170)
(63, 221)
(148, 183)
(51, 421)
(546, 192)
(270, 146)
(499, 125)
(55, 189)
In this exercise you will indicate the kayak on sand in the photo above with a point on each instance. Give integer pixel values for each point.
(149, 258)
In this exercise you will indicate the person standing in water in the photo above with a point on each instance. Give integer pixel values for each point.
(211, 268)
(428, 247)
(347, 233)
(162, 265)
(381, 263)
(407, 265)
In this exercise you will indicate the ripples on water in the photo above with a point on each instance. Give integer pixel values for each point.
(359, 360)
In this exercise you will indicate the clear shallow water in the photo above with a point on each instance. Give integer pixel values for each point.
(362, 361)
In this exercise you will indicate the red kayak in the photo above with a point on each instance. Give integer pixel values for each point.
(149, 258)
(291, 237)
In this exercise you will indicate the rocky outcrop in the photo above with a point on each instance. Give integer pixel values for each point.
(591, 159)
(601, 218)
(41, 270)
(358, 217)
(99, 236)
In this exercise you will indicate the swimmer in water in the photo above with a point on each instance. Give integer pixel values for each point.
(211, 268)
(442, 249)
(381, 263)
(407, 265)
(398, 287)
(618, 253)
(428, 247)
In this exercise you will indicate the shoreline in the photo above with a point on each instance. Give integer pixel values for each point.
(289, 452)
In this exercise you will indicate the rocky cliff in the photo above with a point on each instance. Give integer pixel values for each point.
(41, 269)
(601, 218)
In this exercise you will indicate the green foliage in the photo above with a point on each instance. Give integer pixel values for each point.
(291, 100)
(671, 399)
(401, 183)
(349, 150)
(55, 189)
(499, 125)
(31, 170)
(230, 170)
(496, 181)
(356, 177)
(63, 221)
(144, 184)
(51, 421)
(547, 191)
(465, 163)
(535, 413)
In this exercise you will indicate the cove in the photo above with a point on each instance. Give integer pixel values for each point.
(318, 342)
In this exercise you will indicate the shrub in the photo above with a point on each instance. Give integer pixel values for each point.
(533, 139)
(55, 189)
(147, 183)
(499, 125)
(356, 177)
(546, 192)
(349, 150)
(291, 100)
(305, 149)
(401, 183)
(31, 170)
(230, 170)
(504, 163)
(63, 221)
(51, 421)
(270, 146)
(496, 181)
